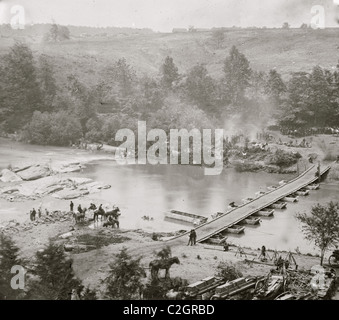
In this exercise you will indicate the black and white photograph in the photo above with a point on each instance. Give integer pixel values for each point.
(169, 150)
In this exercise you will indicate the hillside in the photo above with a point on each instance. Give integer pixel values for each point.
(286, 50)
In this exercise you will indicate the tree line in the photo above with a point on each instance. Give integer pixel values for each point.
(41, 109)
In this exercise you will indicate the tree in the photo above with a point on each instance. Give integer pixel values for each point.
(164, 253)
(124, 280)
(9, 257)
(84, 100)
(55, 278)
(321, 226)
(47, 82)
(59, 129)
(124, 76)
(57, 33)
(285, 25)
(218, 36)
(319, 97)
(20, 94)
(294, 111)
(237, 73)
(258, 83)
(200, 88)
(169, 73)
(275, 86)
(150, 97)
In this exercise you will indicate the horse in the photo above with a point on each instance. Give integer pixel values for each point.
(92, 207)
(79, 216)
(166, 264)
(97, 213)
(115, 213)
(111, 223)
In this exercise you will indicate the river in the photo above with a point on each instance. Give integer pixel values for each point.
(147, 190)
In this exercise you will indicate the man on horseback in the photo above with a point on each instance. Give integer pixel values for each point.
(99, 212)
(79, 208)
(92, 206)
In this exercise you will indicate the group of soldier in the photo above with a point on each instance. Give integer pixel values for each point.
(192, 238)
(33, 213)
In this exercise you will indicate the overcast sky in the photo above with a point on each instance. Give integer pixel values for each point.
(164, 15)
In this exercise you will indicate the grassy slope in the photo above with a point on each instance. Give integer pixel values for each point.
(286, 50)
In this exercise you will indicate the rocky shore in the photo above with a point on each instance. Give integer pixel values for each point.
(34, 181)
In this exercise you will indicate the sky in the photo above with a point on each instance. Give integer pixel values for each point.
(164, 15)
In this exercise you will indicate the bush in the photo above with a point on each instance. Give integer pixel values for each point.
(164, 253)
(9, 257)
(228, 271)
(124, 280)
(282, 158)
(59, 129)
(55, 278)
(157, 289)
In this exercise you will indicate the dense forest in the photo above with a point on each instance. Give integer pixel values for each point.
(41, 111)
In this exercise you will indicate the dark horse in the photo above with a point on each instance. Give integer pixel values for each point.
(92, 207)
(166, 264)
(97, 213)
(115, 213)
(111, 223)
(79, 216)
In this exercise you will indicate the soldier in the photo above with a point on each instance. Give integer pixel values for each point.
(194, 237)
(71, 206)
(190, 239)
(79, 208)
(263, 253)
(33, 214)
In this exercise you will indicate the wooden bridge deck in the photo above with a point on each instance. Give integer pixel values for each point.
(207, 230)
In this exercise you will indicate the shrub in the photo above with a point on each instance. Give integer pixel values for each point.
(55, 278)
(157, 289)
(282, 158)
(228, 271)
(164, 253)
(124, 280)
(59, 128)
(9, 256)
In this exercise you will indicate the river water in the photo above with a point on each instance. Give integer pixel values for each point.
(147, 190)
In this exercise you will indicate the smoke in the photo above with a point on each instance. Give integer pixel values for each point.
(255, 119)
(236, 125)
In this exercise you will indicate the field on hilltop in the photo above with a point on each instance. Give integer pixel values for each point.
(286, 50)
